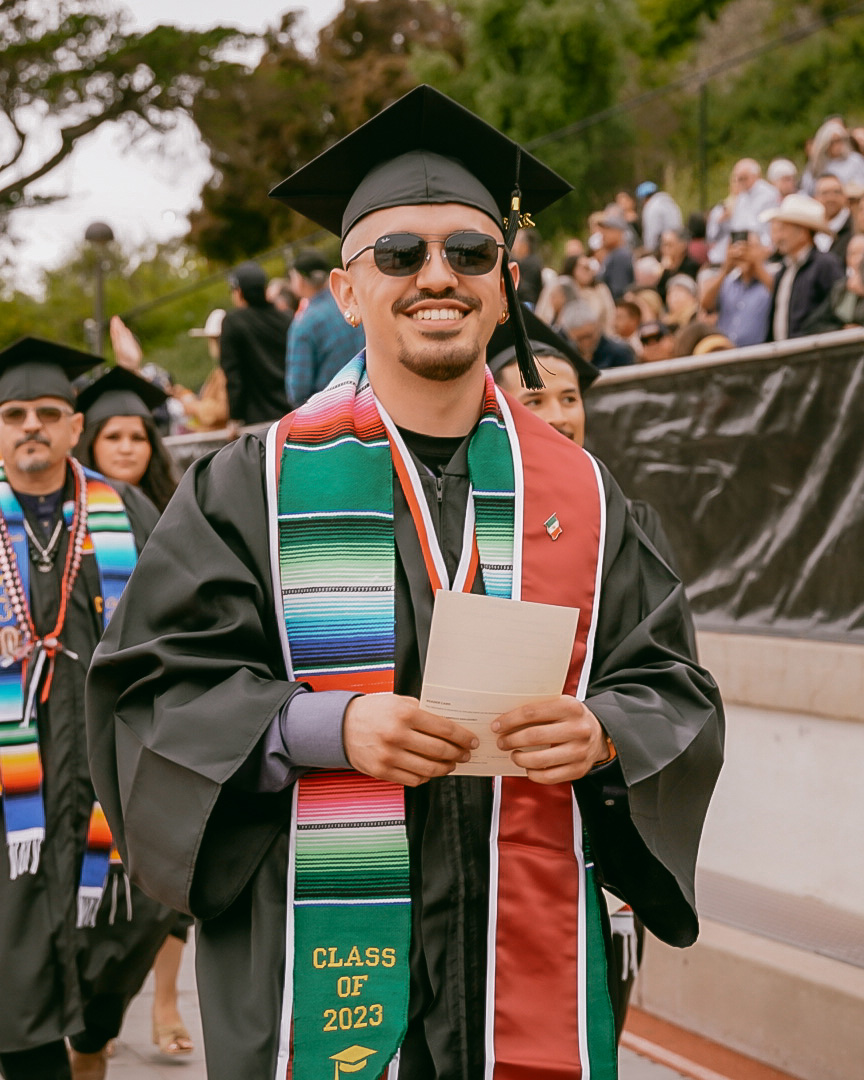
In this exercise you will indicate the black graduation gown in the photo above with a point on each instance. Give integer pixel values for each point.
(40, 948)
(190, 674)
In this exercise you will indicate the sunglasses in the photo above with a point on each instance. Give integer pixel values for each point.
(652, 339)
(403, 254)
(15, 415)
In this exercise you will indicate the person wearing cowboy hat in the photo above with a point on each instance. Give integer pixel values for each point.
(807, 274)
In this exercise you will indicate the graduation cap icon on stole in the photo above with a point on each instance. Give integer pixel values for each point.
(351, 1060)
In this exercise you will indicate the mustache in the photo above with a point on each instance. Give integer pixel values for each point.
(37, 438)
(428, 294)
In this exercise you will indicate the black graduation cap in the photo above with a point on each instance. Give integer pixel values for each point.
(119, 392)
(426, 148)
(31, 368)
(544, 341)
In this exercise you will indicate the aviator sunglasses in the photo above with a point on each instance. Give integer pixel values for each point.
(15, 415)
(403, 254)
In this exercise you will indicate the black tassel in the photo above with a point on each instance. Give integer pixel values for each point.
(528, 372)
(515, 206)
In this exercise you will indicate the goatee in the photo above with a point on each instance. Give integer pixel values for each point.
(449, 363)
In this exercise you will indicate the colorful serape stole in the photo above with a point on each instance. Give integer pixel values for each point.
(109, 537)
(330, 492)
(20, 763)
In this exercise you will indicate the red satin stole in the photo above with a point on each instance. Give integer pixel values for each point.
(536, 1033)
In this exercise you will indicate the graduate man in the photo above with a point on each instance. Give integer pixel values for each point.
(68, 542)
(254, 728)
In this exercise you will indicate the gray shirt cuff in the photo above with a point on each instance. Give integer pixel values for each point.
(311, 728)
(305, 733)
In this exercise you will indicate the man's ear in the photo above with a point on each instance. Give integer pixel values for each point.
(343, 291)
(514, 273)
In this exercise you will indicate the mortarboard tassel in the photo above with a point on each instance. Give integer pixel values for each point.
(528, 372)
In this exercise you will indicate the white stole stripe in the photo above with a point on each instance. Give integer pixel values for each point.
(582, 953)
(458, 583)
(283, 1055)
(515, 594)
(273, 540)
(585, 677)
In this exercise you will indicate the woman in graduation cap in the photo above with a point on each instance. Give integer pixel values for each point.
(254, 709)
(120, 438)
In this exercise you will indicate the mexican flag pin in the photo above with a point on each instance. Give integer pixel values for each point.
(553, 526)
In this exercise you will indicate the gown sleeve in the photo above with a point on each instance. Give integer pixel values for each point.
(185, 682)
(645, 811)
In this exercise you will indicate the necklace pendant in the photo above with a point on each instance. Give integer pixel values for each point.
(44, 566)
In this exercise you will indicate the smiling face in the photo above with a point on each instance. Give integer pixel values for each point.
(122, 450)
(435, 323)
(559, 403)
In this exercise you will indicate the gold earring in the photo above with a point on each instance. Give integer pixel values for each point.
(505, 315)
(350, 317)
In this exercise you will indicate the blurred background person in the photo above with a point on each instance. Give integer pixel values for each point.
(252, 349)
(753, 197)
(281, 296)
(208, 409)
(697, 249)
(526, 253)
(844, 306)
(658, 343)
(626, 203)
(832, 152)
(829, 191)
(682, 305)
(649, 303)
(321, 340)
(807, 274)
(628, 319)
(699, 339)
(741, 293)
(783, 174)
(580, 326)
(558, 292)
(659, 213)
(616, 271)
(675, 258)
(647, 271)
(583, 271)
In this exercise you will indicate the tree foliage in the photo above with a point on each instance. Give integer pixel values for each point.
(265, 124)
(72, 66)
(538, 67)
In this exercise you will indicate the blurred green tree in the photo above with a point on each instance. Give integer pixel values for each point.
(538, 67)
(70, 66)
(262, 125)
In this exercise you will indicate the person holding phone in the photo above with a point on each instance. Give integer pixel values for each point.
(741, 292)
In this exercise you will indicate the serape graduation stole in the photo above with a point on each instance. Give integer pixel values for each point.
(330, 477)
(26, 672)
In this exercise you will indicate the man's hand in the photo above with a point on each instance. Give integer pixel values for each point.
(392, 738)
(575, 739)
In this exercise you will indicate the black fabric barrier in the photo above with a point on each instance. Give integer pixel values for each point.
(756, 467)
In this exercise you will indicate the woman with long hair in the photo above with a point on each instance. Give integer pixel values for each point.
(120, 438)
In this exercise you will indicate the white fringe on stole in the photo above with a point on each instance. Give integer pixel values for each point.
(24, 852)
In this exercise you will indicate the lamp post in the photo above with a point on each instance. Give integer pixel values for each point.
(99, 234)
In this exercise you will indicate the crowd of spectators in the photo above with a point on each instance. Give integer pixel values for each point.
(779, 257)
